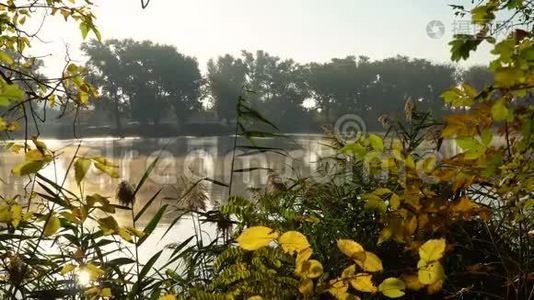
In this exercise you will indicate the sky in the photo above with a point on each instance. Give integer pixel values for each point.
(304, 30)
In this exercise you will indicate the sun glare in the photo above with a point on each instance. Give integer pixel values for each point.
(84, 278)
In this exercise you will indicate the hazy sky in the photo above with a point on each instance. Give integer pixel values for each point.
(305, 30)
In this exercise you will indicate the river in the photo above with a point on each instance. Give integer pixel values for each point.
(182, 160)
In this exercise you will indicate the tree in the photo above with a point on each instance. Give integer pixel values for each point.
(399, 78)
(226, 79)
(338, 86)
(279, 88)
(107, 72)
(373, 88)
(22, 91)
(161, 77)
(150, 77)
(478, 77)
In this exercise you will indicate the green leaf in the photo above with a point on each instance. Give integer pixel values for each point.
(97, 34)
(355, 148)
(120, 261)
(72, 68)
(6, 58)
(474, 149)
(147, 205)
(84, 29)
(493, 163)
(462, 45)
(152, 224)
(499, 111)
(146, 175)
(52, 226)
(376, 142)
(81, 166)
(505, 50)
(482, 14)
(9, 92)
(149, 264)
(508, 77)
(460, 96)
(486, 137)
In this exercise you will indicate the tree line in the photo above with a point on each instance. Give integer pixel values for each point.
(150, 84)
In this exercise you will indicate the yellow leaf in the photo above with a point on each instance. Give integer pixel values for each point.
(27, 216)
(430, 273)
(52, 100)
(310, 269)
(29, 167)
(338, 288)
(138, 233)
(351, 249)
(105, 292)
(52, 226)
(392, 287)
(428, 164)
(381, 191)
(106, 166)
(254, 238)
(385, 235)
(83, 97)
(108, 225)
(173, 297)
(348, 271)
(394, 201)
(303, 256)
(69, 217)
(410, 163)
(125, 234)
(81, 166)
(371, 263)
(5, 213)
(93, 271)
(363, 283)
(67, 269)
(16, 214)
(465, 205)
(432, 250)
(93, 290)
(435, 287)
(412, 282)
(293, 241)
(411, 225)
(306, 286)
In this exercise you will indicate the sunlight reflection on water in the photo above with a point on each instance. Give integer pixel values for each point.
(182, 157)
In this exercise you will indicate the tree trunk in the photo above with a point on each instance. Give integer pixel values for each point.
(117, 113)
